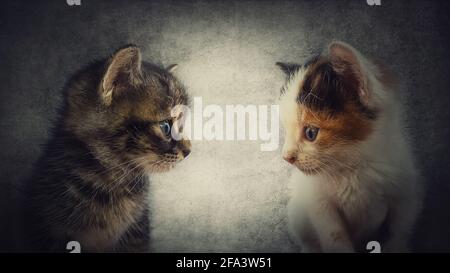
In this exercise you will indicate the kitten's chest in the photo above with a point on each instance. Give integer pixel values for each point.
(112, 221)
(364, 209)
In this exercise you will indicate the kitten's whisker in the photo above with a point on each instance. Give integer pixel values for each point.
(138, 179)
(130, 171)
(118, 181)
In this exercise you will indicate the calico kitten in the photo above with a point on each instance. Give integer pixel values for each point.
(114, 129)
(356, 180)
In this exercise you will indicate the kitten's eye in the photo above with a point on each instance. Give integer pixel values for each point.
(165, 127)
(311, 133)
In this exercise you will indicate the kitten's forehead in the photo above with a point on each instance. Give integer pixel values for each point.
(296, 81)
(153, 102)
(156, 99)
(293, 85)
(167, 86)
(319, 87)
(288, 99)
(307, 100)
(153, 109)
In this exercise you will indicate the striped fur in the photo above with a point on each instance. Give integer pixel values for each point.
(91, 184)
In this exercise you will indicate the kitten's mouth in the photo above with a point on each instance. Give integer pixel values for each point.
(160, 167)
(163, 165)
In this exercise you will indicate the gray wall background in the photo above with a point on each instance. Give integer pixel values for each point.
(228, 196)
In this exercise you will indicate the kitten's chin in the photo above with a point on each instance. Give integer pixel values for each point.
(307, 171)
(161, 165)
(160, 168)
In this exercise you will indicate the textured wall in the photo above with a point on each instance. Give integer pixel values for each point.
(228, 196)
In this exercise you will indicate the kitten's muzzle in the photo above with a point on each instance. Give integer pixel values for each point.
(186, 152)
(290, 158)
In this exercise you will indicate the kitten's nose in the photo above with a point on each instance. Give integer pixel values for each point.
(290, 158)
(186, 152)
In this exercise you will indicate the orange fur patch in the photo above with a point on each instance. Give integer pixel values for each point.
(347, 126)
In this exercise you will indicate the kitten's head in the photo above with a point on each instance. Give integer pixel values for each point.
(327, 109)
(122, 109)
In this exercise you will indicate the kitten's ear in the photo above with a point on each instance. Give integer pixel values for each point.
(288, 68)
(348, 62)
(124, 70)
(172, 67)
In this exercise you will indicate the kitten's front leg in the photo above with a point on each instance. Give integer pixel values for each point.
(137, 238)
(330, 227)
(300, 228)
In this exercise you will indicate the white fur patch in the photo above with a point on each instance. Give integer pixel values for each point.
(385, 180)
(289, 111)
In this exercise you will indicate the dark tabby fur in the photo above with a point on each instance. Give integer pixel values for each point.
(91, 184)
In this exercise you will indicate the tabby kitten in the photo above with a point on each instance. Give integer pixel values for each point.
(91, 184)
(356, 180)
